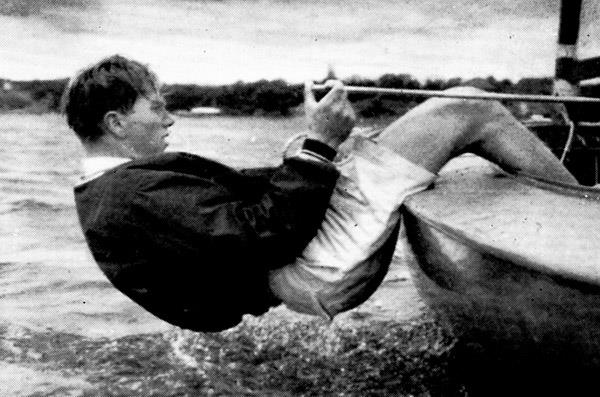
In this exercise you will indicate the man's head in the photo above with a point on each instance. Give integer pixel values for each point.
(117, 101)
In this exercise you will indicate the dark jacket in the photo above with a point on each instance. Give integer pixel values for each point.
(192, 240)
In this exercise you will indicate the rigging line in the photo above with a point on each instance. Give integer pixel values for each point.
(489, 96)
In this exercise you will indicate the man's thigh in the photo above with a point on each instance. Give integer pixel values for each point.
(431, 133)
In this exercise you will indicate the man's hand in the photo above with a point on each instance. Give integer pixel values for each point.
(332, 118)
(564, 88)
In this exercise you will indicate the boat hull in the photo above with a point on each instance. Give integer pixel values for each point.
(512, 267)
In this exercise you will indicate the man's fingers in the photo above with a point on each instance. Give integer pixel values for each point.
(349, 110)
(309, 95)
(337, 92)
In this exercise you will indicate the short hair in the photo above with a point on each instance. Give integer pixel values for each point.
(114, 83)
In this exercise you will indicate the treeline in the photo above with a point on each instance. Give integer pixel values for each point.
(263, 97)
(33, 96)
(275, 97)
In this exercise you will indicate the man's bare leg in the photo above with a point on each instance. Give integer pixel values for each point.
(439, 129)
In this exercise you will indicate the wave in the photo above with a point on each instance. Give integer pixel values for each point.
(31, 205)
(25, 290)
(88, 285)
(64, 286)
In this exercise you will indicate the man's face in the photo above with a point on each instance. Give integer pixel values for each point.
(146, 126)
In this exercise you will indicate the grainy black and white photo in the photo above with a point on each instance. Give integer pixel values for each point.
(299, 197)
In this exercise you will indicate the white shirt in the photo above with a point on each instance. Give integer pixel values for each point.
(95, 166)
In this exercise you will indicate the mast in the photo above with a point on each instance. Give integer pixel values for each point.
(568, 34)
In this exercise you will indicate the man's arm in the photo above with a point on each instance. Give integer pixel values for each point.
(198, 213)
(203, 216)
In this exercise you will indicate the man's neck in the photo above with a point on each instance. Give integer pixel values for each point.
(104, 148)
(100, 156)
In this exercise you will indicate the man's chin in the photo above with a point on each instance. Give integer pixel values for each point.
(157, 151)
(163, 146)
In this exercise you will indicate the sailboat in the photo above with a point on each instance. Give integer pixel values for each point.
(511, 264)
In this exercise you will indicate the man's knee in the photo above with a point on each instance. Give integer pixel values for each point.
(439, 128)
(481, 114)
(467, 107)
(455, 110)
(465, 90)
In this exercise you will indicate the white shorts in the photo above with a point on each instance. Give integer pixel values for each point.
(349, 257)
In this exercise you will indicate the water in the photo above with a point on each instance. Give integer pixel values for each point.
(65, 330)
(47, 277)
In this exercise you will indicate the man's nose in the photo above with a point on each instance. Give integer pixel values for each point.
(168, 121)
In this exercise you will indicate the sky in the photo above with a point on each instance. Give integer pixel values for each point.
(222, 41)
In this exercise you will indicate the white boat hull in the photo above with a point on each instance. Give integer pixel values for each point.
(511, 266)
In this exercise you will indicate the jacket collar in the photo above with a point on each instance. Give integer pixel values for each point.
(93, 167)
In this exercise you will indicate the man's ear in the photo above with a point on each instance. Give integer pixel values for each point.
(114, 123)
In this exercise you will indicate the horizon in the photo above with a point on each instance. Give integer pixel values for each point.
(217, 42)
(375, 78)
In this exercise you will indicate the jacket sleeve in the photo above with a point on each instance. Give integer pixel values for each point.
(196, 215)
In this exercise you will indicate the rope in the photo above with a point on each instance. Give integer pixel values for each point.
(488, 96)
(589, 124)
(571, 124)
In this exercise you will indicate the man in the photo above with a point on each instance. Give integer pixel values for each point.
(199, 244)
(189, 239)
